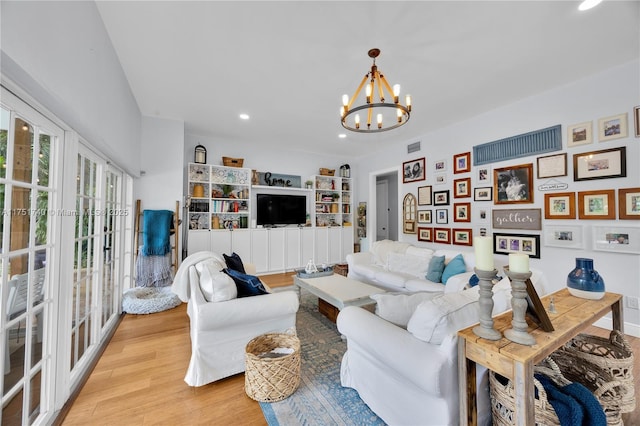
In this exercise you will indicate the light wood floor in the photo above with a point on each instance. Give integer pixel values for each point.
(139, 379)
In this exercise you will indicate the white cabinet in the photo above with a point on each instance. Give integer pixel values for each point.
(198, 241)
(260, 249)
(321, 246)
(335, 245)
(221, 241)
(347, 242)
(299, 247)
(277, 249)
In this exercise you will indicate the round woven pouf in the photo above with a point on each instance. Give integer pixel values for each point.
(147, 300)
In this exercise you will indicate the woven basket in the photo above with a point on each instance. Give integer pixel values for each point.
(327, 172)
(613, 355)
(232, 162)
(272, 379)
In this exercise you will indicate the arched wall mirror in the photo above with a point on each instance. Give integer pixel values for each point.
(409, 207)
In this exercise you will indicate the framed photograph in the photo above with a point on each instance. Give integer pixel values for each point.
(424, 216)
(580, 134)
(409, 227)
(463, 237)
(526, 219)
(413, 170)
(614, 127)
(441, 198)
(425, 234)
(600, 204)
(617, 239)
(604, 164)
(483, 194)
(483, 175)
(629, 203)
(483, 215)
(513, 184)
(535, 309)
(517, 243)
(636, 121)
(462, 188)
(442, 216)
(462, 162)
(565, 236)
(440, 166)
(560, 205)
(424, 195)
(462, 212)
(442, 235)
(441, 179)
(552, 166)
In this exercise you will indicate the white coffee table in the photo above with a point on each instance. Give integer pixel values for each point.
(338, 291)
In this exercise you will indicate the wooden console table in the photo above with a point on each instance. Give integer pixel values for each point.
(516, 361)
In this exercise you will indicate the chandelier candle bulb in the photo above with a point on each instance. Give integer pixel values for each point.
(408, 102)
(484, 253)
(518, 263)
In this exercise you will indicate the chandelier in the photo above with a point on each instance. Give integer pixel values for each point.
(387, 115)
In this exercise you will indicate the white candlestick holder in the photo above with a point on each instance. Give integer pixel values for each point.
(518, 331)
(485, 302)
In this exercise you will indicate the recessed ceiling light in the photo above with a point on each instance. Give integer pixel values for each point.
(244, 116)
(342, 135)
(588, 4)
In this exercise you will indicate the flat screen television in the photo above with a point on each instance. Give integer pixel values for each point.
(277, 209)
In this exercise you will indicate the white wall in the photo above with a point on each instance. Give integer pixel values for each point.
(610, 93)
(60, 53)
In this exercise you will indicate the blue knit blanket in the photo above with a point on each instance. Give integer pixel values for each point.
(156, 228)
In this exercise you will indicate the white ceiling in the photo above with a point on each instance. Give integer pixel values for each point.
(287, 64)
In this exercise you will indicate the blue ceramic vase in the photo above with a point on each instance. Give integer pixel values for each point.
(584, 281)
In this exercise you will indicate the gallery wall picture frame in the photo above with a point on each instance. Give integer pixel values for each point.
(564, 236)
(462, 163)
(440, 178)
(602, 164)
(462, 188)
(483, 175)
(424, 216)
(462, 212)
(614, 238)
(636, 121)
(425, 234)
(528, 244)
(598, 205)
(425, 195)
(440, 166)
(414, 170)
(462, 236)
(613, 127)
(580, 134)
(483, 215)
(442, 216)
(535, 309)
(552, 166)
(629, 203)
(513, 184)
(442, 235)
(441, 198)
(483, 194)
(522, 219)
(560, 205)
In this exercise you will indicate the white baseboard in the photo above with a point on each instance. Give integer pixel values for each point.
(629, 328)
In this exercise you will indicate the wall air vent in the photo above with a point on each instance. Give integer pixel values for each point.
(532, 143)
(413, 147)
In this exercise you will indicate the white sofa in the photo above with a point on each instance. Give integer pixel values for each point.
(403, 359)
(220, 330)
(398, 266)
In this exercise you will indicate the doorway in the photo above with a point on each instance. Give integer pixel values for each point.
(383, 198)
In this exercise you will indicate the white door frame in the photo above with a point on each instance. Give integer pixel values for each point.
(371, 221)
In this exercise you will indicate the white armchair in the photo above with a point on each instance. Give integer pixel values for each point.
(220, 331)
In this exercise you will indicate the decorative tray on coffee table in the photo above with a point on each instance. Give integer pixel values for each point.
(322, 272)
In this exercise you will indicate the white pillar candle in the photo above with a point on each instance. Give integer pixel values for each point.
(518, 262)
(484, 253)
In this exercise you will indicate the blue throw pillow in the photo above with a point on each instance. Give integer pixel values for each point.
(473, 280)
(247, 285)
(436, 266)
(234, 262)
(454, 267)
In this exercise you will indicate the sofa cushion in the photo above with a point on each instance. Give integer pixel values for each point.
(367, 271)
(419, 251)
(381, 249)
(393, 279)
(247, 285)
(444, 315)
(436, 267)
(454, 267)
(421, 284)
(458, 282)
(409, 264)
(216, 286)
(397, 308)
(234, 262)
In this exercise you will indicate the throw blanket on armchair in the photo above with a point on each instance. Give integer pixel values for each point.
(155, 233)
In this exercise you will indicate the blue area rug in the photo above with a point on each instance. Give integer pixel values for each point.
(320, 399)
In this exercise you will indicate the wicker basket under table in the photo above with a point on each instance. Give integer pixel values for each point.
(272, 379)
